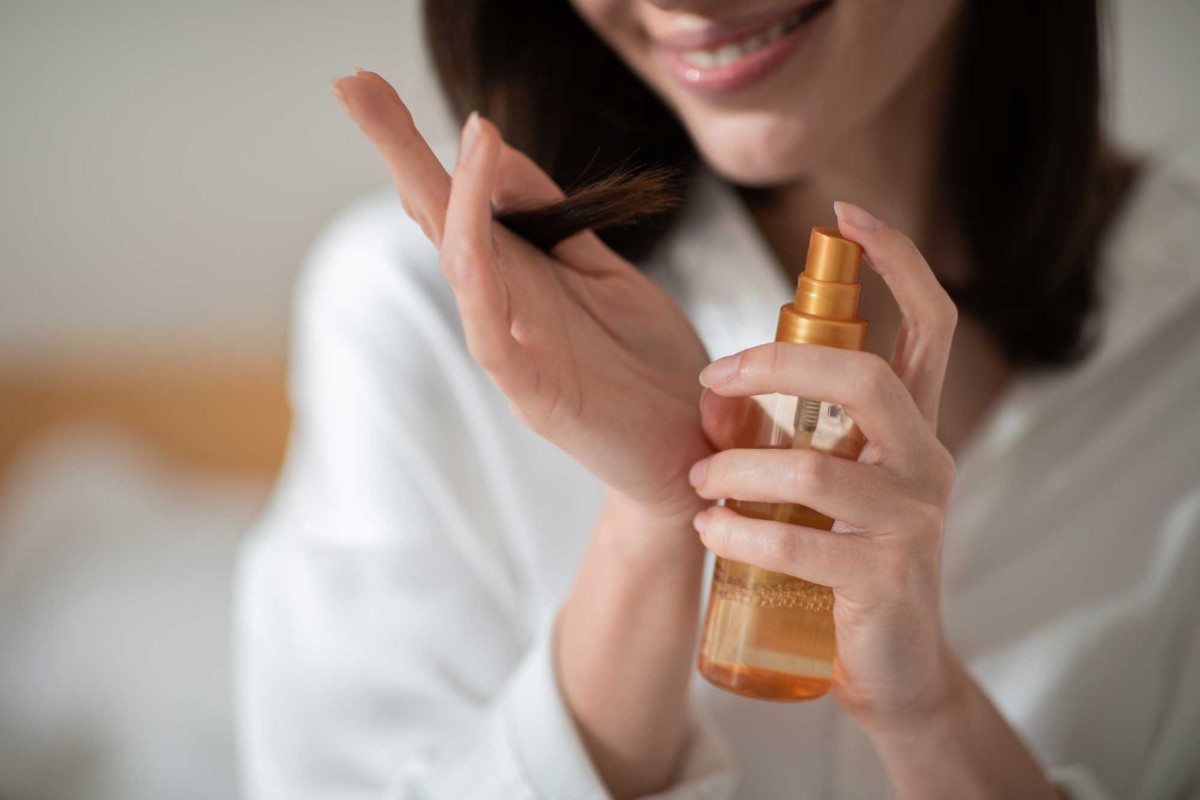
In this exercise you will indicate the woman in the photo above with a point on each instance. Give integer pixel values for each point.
(481, 574)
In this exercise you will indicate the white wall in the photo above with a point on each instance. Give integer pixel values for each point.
(1155, 100)
(164, 165)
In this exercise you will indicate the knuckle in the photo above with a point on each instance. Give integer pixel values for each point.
(936, 320)
(946, 470)
(812, 469)
(930, 516)
(771, 359)
(950, 311)
(950, 466)
(463, 255)
(782, 549)
(943, 317)
(874, 374)
(905, 246)
(934, 477)
(503, 198)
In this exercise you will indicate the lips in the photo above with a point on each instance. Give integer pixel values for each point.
(730, 55)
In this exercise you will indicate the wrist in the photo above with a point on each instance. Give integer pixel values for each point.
(674, 511)
(624, 643)
(958, 746)
(943, 705)
(653, 534)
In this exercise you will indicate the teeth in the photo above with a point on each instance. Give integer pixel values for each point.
(729, 53)
(703, 59)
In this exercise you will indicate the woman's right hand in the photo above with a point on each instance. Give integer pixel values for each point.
(591, 354)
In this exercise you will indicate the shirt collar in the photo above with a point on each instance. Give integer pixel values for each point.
(718, 267)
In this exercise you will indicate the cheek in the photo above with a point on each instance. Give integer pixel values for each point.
(891, 42)
(611, 20)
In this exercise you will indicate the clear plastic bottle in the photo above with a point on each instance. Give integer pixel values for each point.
(767, 635)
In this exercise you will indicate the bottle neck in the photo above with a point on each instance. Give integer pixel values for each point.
(804, 328)
(836, 301)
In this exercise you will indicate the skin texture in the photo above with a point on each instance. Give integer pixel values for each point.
(571, 337)
(855, 62)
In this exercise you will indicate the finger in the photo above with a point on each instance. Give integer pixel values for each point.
(523, 184)
(863, 495)
(837, 560)
(922, 347)
(863, 383)
(420, 179)
(731, 421)
(469, 258)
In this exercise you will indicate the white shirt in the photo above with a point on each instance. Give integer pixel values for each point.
(394, 603)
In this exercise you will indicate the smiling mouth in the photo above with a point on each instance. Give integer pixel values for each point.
(730, 52)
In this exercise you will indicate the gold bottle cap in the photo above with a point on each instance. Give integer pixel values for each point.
(832, 257)
(827, 291)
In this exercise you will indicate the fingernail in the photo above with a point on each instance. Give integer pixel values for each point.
(697, 472)
(719, 371)
(337, 90)
(855, 216)
(470, 137)
(700, 521)
(359, 70)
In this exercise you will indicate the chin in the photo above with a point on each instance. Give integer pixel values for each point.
(753, 153)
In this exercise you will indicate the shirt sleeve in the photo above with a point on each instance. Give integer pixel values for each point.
(385, 644)
(529, 739)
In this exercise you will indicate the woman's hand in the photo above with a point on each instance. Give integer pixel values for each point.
(883, 556)
(591, 354)
(934, 728)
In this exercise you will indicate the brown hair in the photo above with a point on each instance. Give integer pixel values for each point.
(1025, 163)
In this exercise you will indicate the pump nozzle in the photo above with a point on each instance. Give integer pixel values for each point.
(827, 291)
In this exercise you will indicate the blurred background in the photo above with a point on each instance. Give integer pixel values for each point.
(163, 168)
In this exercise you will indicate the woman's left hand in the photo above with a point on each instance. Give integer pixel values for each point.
(883, 557)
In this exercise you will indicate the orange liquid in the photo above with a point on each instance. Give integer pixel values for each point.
(767, 635)
(763, 684)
